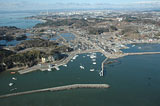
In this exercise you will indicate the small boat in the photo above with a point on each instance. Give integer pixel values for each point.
(49, 69)
(100, 73)
(13, 72)
(133, 45)
(139, 47)
(11, 84)
(75, 57)
(65, 65)
(57, 68)
(13, 89)
(94, 63)
(91, 70)
(81, 67)
(14, 78)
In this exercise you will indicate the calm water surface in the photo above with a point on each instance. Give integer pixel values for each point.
(17, 19)
(134, 81)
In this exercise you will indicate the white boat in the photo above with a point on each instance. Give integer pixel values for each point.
(101, 73)
(65, 65)
(81, 67)
(13, 89)
(57, 68)
(139, 47)
(11, 84)
(94, 63)
(14, 78)
(91, 70)
(49, 69)
(75, 57)
(71, 60)
(93, 55)
(133, 45)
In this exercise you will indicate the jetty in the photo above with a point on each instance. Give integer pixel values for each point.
(142, 53)
(61, 88)
(102, 67)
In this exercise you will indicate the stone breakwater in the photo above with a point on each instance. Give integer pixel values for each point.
(61, 88)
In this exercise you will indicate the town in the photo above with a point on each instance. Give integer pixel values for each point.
(104, 31)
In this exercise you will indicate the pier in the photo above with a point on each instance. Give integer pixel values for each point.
(102, 67)
(142, 53)
(61, 88)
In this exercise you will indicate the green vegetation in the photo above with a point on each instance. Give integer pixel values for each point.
(65, 22)
(5, 53)
(35, 43)
(10, 33)
(32, 56)
(96, 31)
(28, 58)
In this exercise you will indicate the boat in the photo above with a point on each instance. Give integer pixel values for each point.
(11, 84)
(133, 45)
(13, 89)
(49, 69)
(94, 63)
(65, 65)
(93, 55)
(81, 67)
(101, 73)
(91, 70)
(75, 57)
(13, 72)
(139, 47)
(57, 68)
(14, 78)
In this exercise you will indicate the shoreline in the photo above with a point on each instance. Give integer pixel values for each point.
(65, 61)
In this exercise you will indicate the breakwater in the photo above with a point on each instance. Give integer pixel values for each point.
(61, 88)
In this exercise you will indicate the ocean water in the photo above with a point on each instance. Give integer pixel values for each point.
(17, 19)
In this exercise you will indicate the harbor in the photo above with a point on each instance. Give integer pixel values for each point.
(141, 75)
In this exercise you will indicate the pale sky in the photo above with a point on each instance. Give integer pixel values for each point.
(75, 4)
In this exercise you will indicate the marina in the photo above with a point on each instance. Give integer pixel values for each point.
(114, 75)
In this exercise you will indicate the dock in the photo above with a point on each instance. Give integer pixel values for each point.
(142, 53)
(102, 67)
(61, 88)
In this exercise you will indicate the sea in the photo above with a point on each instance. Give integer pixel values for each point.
(133, 80)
